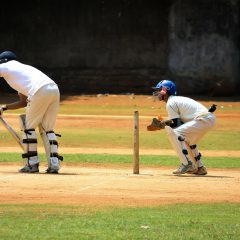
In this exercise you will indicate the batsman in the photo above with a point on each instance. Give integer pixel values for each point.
(188, 122)
(40, 95)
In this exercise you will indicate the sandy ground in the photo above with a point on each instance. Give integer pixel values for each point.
(107, 185)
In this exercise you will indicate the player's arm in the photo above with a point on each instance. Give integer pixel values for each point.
(21, 103)
(176, 122)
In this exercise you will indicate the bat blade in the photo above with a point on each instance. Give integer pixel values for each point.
(12, 132)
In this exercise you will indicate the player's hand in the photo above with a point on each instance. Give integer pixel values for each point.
(2, 109)
(156, 125)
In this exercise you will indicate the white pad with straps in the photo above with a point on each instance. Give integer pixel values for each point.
(197, 155)
(180, 146)
(29, 139)
(30, 146)
(51, 148)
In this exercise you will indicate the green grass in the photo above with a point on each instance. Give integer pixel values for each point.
(104, 110)
(180, 222)
(98, 137)
(123, 138)
(150, 160)
(76, 109)
(219, 140)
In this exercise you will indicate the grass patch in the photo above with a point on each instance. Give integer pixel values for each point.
(105, 110)
(123, 138)
(150, 160)
(219, 140)
(181, 221)
(97, 137)
(15, 157)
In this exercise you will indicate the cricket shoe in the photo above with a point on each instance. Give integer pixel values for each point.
(190, 168)
(201, 171)
(52, 171)
(29, 169)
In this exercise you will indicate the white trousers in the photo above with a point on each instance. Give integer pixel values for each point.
(194, 130)
(42, 108)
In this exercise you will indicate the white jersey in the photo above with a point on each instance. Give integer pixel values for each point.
(184, 108)
(25, 79)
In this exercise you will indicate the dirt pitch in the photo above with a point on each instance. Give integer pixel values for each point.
(111, 185)
(115, 185)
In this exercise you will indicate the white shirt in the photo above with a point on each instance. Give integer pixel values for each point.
(184, 108)
(25, 79)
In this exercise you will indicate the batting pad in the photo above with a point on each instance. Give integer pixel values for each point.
(30, 146)
(177, 146)
(51, 149)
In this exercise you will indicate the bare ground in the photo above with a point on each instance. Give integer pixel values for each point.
(108, 185)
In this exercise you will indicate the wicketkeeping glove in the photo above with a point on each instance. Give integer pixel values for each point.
(158, 124)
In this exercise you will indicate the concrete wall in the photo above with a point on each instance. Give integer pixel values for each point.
(204, 45)
(104, 46)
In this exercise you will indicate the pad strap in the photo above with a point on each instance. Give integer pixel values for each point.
(57, 156)
(29, 154)
(28, 131)
(53, 142)
(29, 140)
(59, 135)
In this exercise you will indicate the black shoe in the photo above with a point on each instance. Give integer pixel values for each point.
(29, 169)
(201, 171)
(53, 171)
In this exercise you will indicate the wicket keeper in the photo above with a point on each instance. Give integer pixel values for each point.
(190, 122)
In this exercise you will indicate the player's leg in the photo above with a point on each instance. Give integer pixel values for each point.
(193, 131)
(47, 131)
(35, 111)
(197, 155)
(51, 148)
(179, 145)
(29, 140)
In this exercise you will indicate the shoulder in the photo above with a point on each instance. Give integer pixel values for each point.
(181, 99)
(3, 68)
(9, 64)
(175, 99)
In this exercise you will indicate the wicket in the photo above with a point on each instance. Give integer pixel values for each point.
(136, 143)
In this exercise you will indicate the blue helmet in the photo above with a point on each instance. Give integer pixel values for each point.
(168, 86)
(7, 56)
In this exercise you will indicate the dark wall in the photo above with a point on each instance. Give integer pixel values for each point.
(126, 45)
(204, 42)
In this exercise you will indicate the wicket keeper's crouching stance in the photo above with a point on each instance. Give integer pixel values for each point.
(40, 95)
(190, 122)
